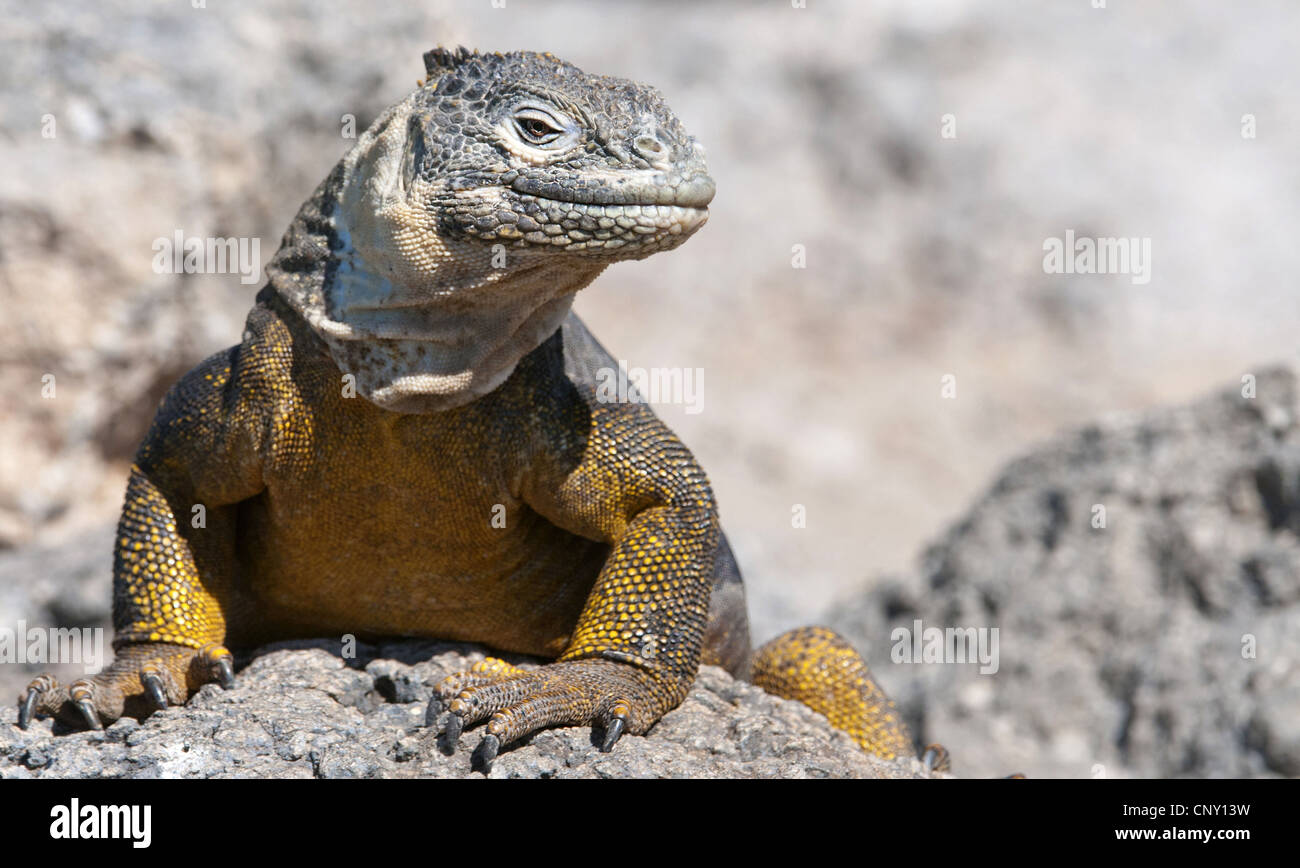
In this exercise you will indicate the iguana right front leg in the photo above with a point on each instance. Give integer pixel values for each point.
(173, 559)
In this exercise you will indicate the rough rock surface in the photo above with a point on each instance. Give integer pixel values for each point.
(1165, 644)
(300, 711)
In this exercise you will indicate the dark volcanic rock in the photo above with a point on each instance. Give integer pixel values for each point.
(300, 711)
(1166, 643)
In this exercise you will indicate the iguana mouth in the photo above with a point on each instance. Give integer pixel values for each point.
(695, 192)
(606, 216)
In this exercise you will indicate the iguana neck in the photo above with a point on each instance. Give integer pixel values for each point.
(423, 322)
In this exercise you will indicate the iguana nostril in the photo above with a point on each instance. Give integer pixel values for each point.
(648, 145)
(652, 150)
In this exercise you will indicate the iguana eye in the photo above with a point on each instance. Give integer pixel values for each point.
(536, 127)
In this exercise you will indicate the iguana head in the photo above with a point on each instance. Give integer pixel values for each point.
(459, 227)
(528, 150)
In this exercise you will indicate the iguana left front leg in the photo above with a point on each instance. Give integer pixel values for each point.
(636, 647)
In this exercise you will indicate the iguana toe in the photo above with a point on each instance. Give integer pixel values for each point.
(613, 730)
(225, 666)
(32, 697)
(486, 751)
(89, 713)
(90, 702)
(153, 688)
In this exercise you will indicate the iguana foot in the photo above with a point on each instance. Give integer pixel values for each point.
(613, 697)
(142, 678)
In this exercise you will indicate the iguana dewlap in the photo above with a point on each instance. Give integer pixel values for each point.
(407, 440)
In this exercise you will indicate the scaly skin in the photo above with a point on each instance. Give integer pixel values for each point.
(817, 667)
(409, 441)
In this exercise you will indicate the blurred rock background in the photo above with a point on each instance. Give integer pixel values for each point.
(822, 384)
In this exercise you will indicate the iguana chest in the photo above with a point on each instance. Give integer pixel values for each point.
(377, 523)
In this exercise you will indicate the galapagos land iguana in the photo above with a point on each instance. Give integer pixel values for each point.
(411, 370)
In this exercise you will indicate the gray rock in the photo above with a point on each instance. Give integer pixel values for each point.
(1163, 644)
(301, 711)
(68, 585)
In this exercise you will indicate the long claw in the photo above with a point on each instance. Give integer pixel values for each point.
(486, 751)
(27, 708)
(226, 673)
(88, 713)
(612, 733)
(153, 686)
(450, 727)
(434, 711)
(936, 758)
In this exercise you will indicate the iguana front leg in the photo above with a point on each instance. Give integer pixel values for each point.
(172, 563)
(636, 647)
